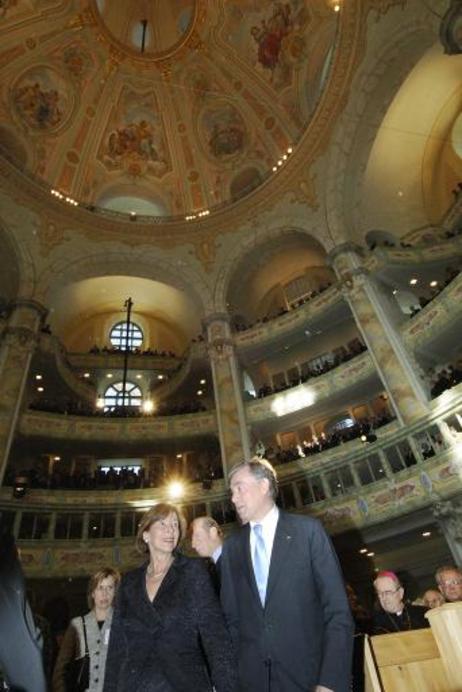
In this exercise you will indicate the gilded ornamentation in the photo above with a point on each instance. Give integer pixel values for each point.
(42, 99)
(224, 130)
(132, 153)
(205, 251)
(306, 191)
(136, 143)
(220, 349)
(50, 236)
(5, 6)
(382, 6)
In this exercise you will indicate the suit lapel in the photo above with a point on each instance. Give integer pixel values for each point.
(284, 539)
(144, 610)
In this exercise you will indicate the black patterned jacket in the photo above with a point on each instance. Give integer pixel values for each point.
(168, 645)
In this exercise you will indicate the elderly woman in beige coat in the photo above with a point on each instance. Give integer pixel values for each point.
(101, 591)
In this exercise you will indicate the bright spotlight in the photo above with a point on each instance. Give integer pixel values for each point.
(293, 401)
(148, 406)
(175, 490)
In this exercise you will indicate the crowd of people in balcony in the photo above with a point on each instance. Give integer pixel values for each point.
(114, 350)
(444, 379)
(71, 407)
(323, 441)
(319, 367)
(241, 325)
(450, 275)
(61, 477)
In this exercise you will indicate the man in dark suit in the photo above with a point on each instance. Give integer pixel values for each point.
(282, 593)
(20, 639)
(207, 541)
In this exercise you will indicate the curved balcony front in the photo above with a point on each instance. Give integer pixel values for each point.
(353, 486)
(280, 329)
(58, 426)
(290, 405)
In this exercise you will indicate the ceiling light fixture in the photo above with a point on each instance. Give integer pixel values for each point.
(363, 551)
(433, 283)
(413, 281)
(426, 534)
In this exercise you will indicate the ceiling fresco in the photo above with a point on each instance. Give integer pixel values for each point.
(187, 105)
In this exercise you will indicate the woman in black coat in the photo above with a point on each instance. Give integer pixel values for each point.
(168, 633)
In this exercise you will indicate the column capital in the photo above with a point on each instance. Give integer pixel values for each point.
(30, 304)
(218, 327)
(216, 317)
(344, 249)
(451, 515)
(219, 349)
(21, 338)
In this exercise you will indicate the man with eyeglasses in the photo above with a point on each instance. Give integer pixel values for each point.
(449, 580)
(393, 614)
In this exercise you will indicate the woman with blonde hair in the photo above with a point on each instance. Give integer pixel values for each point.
(168, 632)
(89, 633)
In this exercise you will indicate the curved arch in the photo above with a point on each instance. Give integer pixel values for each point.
(86, 294)
(126, 198)
(252, 254)
(362, 121)
(17, 270)
(139, 263)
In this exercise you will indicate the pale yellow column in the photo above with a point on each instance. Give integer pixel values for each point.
(227, 387)
(19, 341)
(378, 320)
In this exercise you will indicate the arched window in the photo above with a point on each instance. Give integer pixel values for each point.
(113, 396)
(118, 335)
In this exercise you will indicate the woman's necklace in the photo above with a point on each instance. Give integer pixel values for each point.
(152, 573)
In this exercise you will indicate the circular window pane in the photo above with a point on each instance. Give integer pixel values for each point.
(118, 336)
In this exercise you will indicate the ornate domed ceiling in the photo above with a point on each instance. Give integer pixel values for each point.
(164, 108)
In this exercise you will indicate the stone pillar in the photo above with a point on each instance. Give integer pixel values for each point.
(449, 516)
(227, 387)
(16, 349)
(378, 319)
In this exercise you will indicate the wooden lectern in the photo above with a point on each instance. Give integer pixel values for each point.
(418, 660)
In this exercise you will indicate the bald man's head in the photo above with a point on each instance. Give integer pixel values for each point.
(206, 536)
